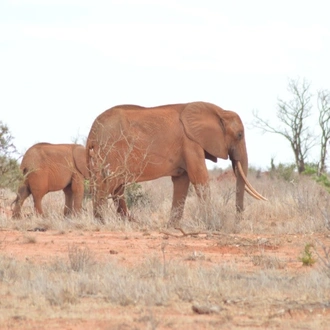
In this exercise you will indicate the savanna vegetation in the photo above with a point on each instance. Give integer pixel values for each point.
(9, 166)
(269, 268)
(165, 280)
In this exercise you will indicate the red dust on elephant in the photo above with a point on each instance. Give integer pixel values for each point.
(130, 143)
(51, 167)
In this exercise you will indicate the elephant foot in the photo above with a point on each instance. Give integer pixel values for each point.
(128, 217)
(239, 216)
(132, 219)
(173, 223)
(99, 219)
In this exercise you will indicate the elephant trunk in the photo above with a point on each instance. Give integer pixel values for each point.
(240, 167)
(240, 182)
(239, 158)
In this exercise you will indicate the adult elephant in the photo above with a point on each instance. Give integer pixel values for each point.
(51, 167)
(129, 143)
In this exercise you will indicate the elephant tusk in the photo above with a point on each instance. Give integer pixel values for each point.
(249, 189)
(251, 193)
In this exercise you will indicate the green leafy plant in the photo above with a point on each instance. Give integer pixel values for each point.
(307, 256)
(10, 174)
(322, 178)
(283, 171)
(135, 195)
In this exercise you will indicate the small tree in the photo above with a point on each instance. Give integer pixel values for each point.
(9, 169)
(323, 103)
(293, 114)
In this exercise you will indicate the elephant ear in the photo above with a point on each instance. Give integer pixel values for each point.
(203, 124)
(79, 157)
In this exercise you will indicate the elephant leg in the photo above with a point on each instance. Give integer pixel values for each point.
(68, 200)
(103, 187)
(202, 191)
(37, 202)
(119, 200)
(197, 172)
(99, 198)
(180, 191)
(98, 207)
(97, 187)
(202, 188)
(199, 177)
(22, 195)
(77, 187)
(196, 169)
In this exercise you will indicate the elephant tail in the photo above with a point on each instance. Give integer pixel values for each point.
(89, 146)
(22, 190)
(14, 202)
(91, 152)
(22, 194)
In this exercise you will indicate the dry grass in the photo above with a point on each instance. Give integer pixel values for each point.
(299, 207)
(153, 283)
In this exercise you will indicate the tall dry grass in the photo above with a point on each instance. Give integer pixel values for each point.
(297, 206)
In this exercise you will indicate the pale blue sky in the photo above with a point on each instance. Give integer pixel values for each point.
(63, 62)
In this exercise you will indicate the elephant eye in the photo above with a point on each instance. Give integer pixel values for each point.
(240, 135)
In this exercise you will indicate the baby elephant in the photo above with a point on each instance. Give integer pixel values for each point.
(50, 167)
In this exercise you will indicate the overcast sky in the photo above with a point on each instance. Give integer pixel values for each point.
(63, 62)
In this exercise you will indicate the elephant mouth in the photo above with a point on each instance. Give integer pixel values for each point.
(248, 187)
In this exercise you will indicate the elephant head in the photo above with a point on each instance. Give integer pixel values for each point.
(79, 158)
(221, 134)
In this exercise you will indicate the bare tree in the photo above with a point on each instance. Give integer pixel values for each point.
(293, 114)
(323, 103)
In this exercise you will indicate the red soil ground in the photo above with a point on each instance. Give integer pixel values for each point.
(129, 248)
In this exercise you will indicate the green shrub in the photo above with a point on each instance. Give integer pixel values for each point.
(10, 174)
(307, 256)
(284, 171)
(134, 195)
(311, 170)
